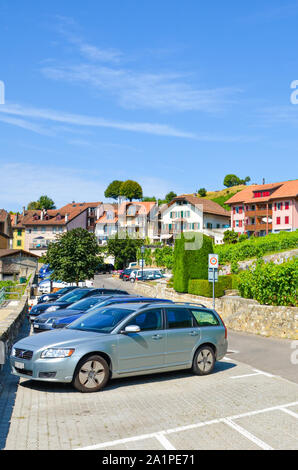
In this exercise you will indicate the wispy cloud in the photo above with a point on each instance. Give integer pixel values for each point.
(104, 71)
(98, 122)
(136, 90)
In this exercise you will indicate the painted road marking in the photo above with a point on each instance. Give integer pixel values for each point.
(160, 435)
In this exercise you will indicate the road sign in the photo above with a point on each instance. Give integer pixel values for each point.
(212, 275)
(213, 261)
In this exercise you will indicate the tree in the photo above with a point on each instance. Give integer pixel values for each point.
(230, 236)
(149, 199)
(170, 196)
(73, 256)
(233, 180)
(44, 202)
(124, 250)
(202, 192)
(113, 190)
(131, 190)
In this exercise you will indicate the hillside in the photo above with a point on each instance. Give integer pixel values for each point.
(221, 196)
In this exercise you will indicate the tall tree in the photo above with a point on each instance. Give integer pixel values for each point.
(131, 190)
(233, 180)
(170, 196)
(73, 256)
(44, 202)
(113, 190)
(124, 250)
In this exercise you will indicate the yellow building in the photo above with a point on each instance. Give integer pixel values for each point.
(18, 241)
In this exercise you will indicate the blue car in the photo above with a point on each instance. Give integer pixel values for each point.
(61, 322)
(44, 321)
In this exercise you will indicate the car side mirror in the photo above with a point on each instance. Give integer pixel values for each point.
(131, 329)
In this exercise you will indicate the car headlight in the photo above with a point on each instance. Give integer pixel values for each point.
(56, 353)
(13, 352)
(52, 309)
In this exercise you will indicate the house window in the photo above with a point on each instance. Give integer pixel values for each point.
(287, 220)
(240, 223)
(279, 206)
(277, 220)
(43, 229)
(266, 193)
(34, 229)
(19, 233)
(19, 243)
(287, 205)
(240, 210)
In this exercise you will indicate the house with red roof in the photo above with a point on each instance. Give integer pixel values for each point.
(266, 208)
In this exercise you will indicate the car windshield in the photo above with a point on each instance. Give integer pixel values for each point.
(85, 304)
(103, 321)
(62, 291)
(73, 296)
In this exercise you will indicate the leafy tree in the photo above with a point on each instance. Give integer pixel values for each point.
(202, 192)
(113, 190)
(230, 236)
(131, 190)
(170, 196)
(124, 250)
(73, 256)
(233, 180)
(44, 202)
(149, 199)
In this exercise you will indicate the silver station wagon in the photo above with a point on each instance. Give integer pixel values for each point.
(124, 340)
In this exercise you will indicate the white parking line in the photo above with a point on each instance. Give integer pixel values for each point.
(164, 441)
(256, 372)
(160, 435)
(289, 412)
(247, 434)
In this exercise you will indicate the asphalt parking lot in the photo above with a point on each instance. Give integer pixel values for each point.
(237, 407)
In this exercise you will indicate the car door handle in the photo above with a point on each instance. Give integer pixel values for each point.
(193, 333)
(156, 337)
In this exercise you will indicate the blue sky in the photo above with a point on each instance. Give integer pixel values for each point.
(172, 94)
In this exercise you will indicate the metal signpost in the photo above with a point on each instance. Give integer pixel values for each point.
(142, 251)
(213, 273)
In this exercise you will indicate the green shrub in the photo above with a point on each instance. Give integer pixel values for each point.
(271, 284)
(258, 246)
(190, 263)
(204, 288)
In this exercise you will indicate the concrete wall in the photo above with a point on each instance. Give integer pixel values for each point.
(238, 314)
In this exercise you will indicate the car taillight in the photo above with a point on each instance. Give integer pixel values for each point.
(226, 331)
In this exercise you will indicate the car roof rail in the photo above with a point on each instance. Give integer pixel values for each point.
(191, 303)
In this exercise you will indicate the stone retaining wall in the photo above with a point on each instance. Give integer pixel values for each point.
(238, 313)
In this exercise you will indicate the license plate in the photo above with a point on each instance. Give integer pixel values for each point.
(19, 365)
(36, 326)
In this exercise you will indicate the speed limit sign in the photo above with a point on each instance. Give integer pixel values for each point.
(213, 261)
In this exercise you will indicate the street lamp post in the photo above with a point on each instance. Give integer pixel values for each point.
(142, 252)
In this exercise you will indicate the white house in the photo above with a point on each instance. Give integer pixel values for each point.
(189, 213)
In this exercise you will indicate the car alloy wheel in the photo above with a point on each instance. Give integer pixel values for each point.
(91, 375)
(204, 361)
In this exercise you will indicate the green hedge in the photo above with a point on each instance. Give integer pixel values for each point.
(204, 288)
(191, 263)
(257, 246)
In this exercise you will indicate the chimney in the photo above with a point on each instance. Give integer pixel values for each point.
(15, 219)
(66, 218)
(263, 180)
(41, 215)
(24, 210)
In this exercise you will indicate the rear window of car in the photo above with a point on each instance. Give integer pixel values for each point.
(205, 317)
(179, 318)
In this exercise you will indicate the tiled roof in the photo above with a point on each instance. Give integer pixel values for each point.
(209, 207)
(10, 252)
(142, 207)
(53, 216)
(285, 189)
(3, 215)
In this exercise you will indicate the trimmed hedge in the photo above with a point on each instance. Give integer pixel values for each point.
(204, 288)
(190, 263)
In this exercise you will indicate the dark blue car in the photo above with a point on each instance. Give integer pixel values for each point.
(70, 298)
(61, 322)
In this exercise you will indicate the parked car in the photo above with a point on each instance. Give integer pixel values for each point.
(44, 321)
(145, 275)
(55, 295)
(61, 322)
(70, 298)
(111, 343)
(105, 269)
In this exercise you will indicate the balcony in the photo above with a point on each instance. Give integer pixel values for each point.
(257, 227)
(259, 213)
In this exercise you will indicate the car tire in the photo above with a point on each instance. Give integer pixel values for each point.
(91, 374)
(204, 361)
